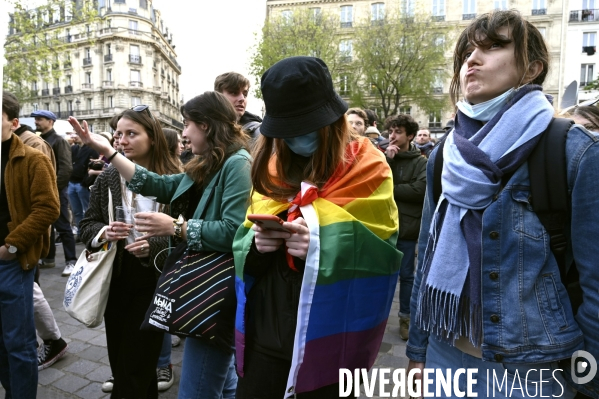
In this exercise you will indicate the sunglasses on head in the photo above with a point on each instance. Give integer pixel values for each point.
(142, 108)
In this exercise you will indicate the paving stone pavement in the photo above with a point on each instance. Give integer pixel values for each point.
(81, 372)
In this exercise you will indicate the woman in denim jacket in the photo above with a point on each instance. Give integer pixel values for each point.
(487, 293)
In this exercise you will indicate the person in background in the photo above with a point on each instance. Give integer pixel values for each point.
(357, 119)
(29, 204)
(587, 116)
(44, 123)
(423, 142)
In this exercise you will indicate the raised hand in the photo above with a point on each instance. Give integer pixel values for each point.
(95, 141)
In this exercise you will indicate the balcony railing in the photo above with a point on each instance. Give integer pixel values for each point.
(346, 24)
(56, 90)
(107, 57)
(136, 84)
(135, 59)
(87, 61)
(68, 89)
(584, 15)
(466, 17)
(107, 83)
(539, 11)
(87, 86)
(67, 65)
(438, 18)
(157, 89)
(437, 90)
(45, 92)
(64, 114)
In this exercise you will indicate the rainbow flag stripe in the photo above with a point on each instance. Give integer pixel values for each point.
(351, 270)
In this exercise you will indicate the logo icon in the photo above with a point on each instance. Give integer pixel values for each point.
(580, 366)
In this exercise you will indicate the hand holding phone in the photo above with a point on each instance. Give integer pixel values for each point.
(269, 222)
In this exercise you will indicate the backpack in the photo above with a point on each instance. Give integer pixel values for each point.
(549, 196)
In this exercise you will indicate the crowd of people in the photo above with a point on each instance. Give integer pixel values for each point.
(480, 284)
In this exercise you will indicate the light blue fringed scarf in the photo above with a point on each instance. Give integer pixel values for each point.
(475, 158)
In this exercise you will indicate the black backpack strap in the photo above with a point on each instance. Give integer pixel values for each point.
(437, 170)
(549, 186)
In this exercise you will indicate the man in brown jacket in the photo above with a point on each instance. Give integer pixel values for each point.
(28, 206)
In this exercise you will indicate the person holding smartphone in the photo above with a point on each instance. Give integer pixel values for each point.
(301, 280)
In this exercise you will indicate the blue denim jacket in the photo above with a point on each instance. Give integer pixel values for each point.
(520, 277)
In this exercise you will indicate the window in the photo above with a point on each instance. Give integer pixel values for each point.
(406, 110)
(434, 119)
(34, 85)
(588, 4)
(407, 7)
(58, 107)
(135, 76)
(90, 104)
(55, 14)
(344, 85)
(586, 74)
(90, 126)
(439, 40)
(35, 107)
(108, 49)
(347, 16)
(134, 56)
(46, 105)
(143, 4)
(109, 75)
(543, 32)
(345, 50)
(133, 27)
(70, 106)
(68, 80)
(287, 16)
(135, 101)
(470, 9)
(109, 103)
(88, 52)
(438, 82)
(377, 12)
(134, 50)
(56, 83)
(589, 39)
(539, 7)
(438, 8)
(46, 86)
(88, 77)
(68, 12)
(46, 16)
(316, 14)
(500, 4)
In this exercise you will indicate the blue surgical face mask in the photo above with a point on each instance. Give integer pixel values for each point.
(484, 112)
(304, 145)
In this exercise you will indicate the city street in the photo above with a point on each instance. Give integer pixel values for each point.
(81, 372)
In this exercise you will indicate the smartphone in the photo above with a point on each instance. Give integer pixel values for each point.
(270, 222)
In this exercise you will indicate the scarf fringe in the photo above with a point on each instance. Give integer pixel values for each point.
(449, 316)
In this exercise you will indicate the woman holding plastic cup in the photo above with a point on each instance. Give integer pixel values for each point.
(132, 353)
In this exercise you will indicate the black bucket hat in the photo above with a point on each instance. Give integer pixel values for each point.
(299, 98)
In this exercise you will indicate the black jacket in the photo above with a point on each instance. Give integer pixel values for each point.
(409, 186)
(272, 302)
(62, 153)
(81, 156)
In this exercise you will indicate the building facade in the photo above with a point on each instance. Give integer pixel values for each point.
(124, 59)
(581, 52)
(550, 17)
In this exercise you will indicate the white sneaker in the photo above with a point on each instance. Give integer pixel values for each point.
(68, 269)
(108, 385)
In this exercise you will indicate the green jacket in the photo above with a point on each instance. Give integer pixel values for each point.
(223, 203)
(409, 186)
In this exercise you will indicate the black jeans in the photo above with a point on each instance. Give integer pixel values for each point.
(265, 377)
(63, 227)
(133, 354)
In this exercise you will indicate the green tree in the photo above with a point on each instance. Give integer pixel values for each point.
(307, 32)
(399, 60)
(38, 40)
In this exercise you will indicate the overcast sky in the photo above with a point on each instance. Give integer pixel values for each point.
(211, 37)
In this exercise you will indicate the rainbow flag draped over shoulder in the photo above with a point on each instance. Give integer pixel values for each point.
(350, 275)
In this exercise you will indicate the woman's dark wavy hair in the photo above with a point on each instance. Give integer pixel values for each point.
(161, 160)
(529, 45)
(590, 113)
(223, 134)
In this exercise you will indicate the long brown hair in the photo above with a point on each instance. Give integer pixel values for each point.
(161, 160)
(529, 45)
(274, 156)
(223, 134)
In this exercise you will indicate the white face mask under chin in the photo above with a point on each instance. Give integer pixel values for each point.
(484, 112)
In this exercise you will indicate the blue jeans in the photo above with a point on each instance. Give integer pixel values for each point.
(208, 372)
(18, 355)
(79, 199)
(496, 379)
(165, 352)
(406, 275)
